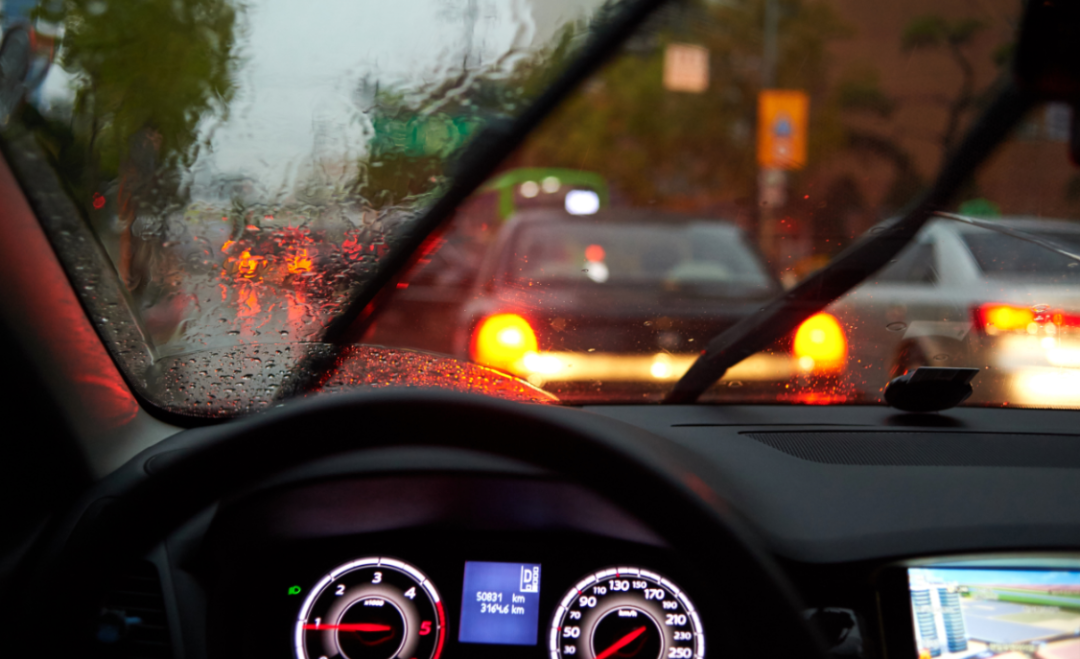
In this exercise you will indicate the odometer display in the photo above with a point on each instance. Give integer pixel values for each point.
(626, 613)
(371, 608)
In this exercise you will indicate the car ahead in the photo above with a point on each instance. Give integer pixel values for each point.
(964, 295)
(586, 304)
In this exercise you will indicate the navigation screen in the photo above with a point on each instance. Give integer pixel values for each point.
(964, 612)
(500, 603)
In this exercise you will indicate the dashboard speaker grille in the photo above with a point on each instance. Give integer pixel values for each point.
(927, 449)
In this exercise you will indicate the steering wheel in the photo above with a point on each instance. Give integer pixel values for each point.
(134, 509)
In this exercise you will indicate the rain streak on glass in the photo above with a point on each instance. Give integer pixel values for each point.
(245, 199)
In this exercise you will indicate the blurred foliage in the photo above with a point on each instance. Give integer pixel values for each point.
(934, 31)
(666, 147)
(416, 139)
(861, 91)
(145, 73)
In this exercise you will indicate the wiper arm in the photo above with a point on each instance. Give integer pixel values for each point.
(785, 312)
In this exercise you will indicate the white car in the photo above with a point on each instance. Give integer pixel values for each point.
(962, 295)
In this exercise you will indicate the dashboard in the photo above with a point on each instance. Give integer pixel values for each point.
(467, 565)
(882, 521)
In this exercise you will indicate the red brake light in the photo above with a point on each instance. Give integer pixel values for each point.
(996, 318)
(820, 344)
(502, 341)
(1062, 319)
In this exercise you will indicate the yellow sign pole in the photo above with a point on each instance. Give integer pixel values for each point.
(782, 122)
(783, 116)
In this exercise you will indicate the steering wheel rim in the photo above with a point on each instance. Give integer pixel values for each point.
(657, 482)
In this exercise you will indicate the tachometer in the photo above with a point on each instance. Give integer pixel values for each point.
(626, 613)
(372, 608)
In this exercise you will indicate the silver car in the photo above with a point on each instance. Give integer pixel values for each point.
(961, 295)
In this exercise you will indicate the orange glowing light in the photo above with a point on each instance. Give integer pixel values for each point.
(594, 253)
(227, 245)
(995, 318)
(502, 341)
(820, 343)
(1006, 318)
(298, 262)
(814, 398)
(247, 264)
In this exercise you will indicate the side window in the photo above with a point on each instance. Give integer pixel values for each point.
(914, 265)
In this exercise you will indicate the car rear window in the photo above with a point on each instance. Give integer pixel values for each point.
(1002, 256)
(695, 254)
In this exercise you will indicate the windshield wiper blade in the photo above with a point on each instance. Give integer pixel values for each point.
(1051, 245)
(479, 160)
(848, 269)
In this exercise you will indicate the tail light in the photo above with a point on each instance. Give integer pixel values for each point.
(820, 344)
(502, 341)
(996, 319)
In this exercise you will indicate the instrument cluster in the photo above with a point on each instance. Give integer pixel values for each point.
(379, 607)
(445, 593)
(440, 567)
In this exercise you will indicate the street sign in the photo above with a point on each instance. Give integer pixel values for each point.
(686, 68)
(782, 128)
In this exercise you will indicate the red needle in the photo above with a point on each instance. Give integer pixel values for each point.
(352, 627)
(621, 643)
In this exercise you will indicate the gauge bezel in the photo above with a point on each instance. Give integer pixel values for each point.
(593, 579)
(384, 562)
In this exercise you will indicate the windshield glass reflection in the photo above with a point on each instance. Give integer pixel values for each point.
(795, 147)
(726, 152)
(246, 166)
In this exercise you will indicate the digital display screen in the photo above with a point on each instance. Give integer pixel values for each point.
(500, 603)
(965, 612)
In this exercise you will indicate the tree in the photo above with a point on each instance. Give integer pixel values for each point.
(146, 74)
(861, 93)
(416, 139)
(669, 147)
(934, 32)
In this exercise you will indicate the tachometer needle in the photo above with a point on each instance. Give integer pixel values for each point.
(621, 643)
(352, 627)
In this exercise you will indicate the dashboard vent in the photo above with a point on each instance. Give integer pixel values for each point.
(138, 604)
(927, 449)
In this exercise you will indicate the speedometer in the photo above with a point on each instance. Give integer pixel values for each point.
(626, 613)
(371, 608)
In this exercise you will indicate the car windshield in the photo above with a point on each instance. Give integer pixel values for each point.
(234, 187)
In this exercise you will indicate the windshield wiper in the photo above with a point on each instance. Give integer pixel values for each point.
(1051, 245)
(1044, 69)
(492, 145)
(874, 250)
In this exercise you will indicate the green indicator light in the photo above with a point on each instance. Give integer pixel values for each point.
(294, 590)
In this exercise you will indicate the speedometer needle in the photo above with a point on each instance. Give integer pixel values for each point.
(352, 627)
(621, 643)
